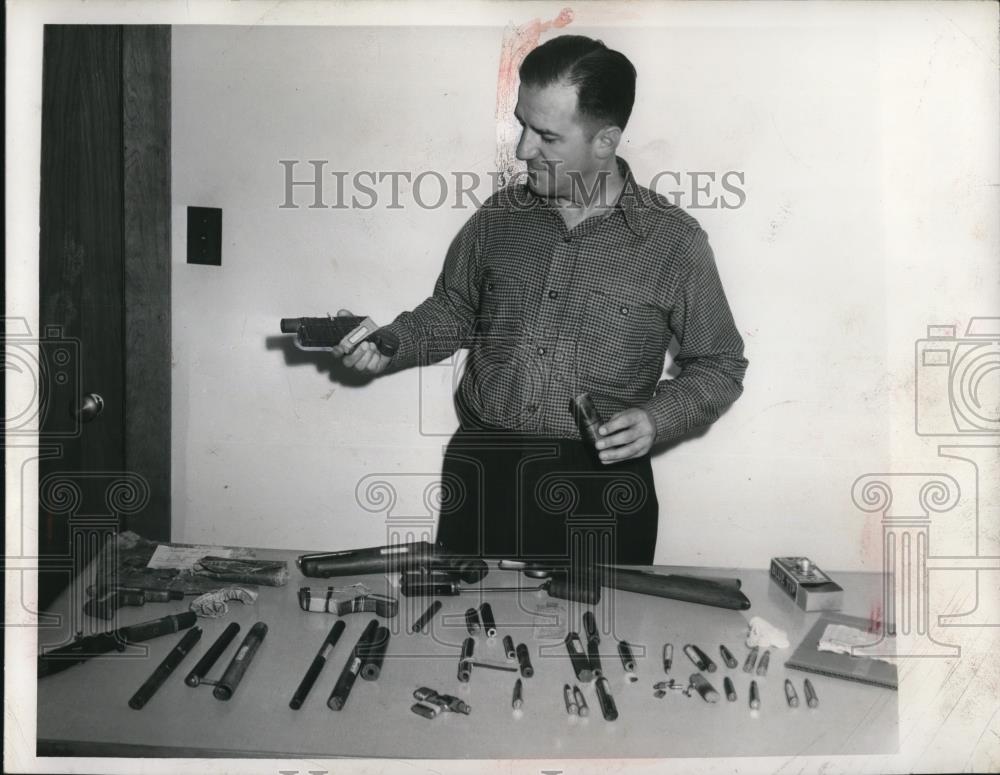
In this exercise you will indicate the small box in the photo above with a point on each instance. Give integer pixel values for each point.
(807, 585)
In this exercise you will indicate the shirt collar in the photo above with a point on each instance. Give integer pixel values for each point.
(632, 200)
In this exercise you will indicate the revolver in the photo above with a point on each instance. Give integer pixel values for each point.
(325, 333)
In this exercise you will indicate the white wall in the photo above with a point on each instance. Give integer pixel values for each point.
(861, 133)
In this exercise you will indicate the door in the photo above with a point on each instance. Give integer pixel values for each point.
(104, 293)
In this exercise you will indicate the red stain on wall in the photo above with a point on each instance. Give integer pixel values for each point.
(518, 41)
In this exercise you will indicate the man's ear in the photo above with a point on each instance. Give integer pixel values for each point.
(606, 141)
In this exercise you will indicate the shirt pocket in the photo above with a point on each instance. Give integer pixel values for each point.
(618, 335)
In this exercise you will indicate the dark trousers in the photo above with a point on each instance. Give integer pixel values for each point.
(507, 495)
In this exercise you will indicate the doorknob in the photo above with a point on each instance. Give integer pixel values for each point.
(90, 406)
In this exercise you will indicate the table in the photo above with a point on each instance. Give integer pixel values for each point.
(83, 711)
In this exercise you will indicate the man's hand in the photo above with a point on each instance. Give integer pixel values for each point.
(629, 434)
(364, 359)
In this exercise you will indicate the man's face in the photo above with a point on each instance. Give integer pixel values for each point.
(557, 147)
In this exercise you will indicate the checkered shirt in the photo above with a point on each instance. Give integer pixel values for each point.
(548, 313)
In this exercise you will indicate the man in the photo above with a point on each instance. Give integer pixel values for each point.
(573, 282)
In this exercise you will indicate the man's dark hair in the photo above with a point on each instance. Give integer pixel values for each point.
(604, 79)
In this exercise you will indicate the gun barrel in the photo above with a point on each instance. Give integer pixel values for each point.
(290, 325)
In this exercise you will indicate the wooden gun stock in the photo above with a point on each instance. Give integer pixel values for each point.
(721, 593)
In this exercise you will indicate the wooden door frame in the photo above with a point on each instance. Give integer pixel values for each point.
(146, 241)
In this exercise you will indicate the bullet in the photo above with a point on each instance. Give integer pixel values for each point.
(727, 685)
(472, 621)
(518, 699)
(668, 657)
(571, 706)
(581, 702)
(750, 661)
(765, 660)
(811, 699)
(727, 657)
(754, 696)
(790, 694)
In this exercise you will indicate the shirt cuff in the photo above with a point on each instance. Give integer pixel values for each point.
(669, 416)
(408, 353)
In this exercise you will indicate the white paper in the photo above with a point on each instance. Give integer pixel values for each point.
(184, 557)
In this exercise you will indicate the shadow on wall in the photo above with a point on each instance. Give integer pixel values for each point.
(322, 361)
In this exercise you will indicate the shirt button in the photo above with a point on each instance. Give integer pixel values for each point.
(553, 294)
(541, 351)
(489, 287)
(624, 310)
(532, 408)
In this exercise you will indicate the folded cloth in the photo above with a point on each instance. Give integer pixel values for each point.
(765, 635)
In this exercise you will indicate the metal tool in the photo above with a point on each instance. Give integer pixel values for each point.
(727, 657)
(672, 685)
(608, 708)
(426, 616)
(578, 657)
(324, 601)
(524, 660)
(489, 623)
(751, 660)
(493, 666)
(465, 660)
(318, 663)
(446, 702)
(231, 678)
(625, 652)
(373, 654)
(345, 682)
(208, 660)
(165, 668)
(807, 585)
(593, 641)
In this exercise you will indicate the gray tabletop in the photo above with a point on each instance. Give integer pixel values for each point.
(84, 709)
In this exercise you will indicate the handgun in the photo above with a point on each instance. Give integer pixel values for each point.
(58, 659)
(325, 333)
